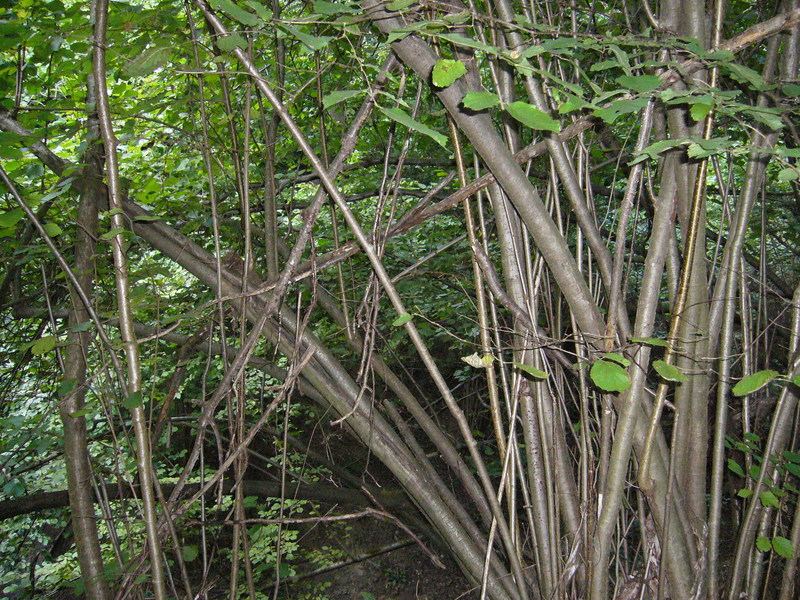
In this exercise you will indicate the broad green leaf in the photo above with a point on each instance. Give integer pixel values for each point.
(639, 83)
(111, 233)
(399, 4)
(312, 42)
(754, 382)
(763, 544)
(80, 413)
(744, 493)
(617, 358)
(769, 499)
(230, 42)
(783, 547)
(532, 371)
(52, 229)
(735, 467)
(11, 218)
(770, 117)
(796, 380)
(190, 553)
(573, 103)
(791, 89)
(699, 111)
(85, 326)
(668, 371)
(401, 320)
(447, 71)
(264, 13)
(333, 8)
(532, 117)
(651, 342)
(146, 218)
(480, 100)
(653, 150)
(468, 42)
(337, 96)
(66, 386)
(745, 75)
(618, 108)
(134, 400)
(789, 174)
(236, 13)
(43, 345)
(609, 376)
(148, 61)
(403, 118)
(792, 456)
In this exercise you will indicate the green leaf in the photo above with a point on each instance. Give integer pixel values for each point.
(792, 456)
(796, 380)
(480, 100)
(735, 467)
(337, 96)
(332, 8)
(789, 174)
(653, 150)
(146, 218)
(532, 371)
(399, 5)
(111, 233)
(668, 371)
(134, 400)
(52, 229)
(446, 72)
(532, 117)
(148, 61)
(236, 13)
(769, 499)
(85, 326)
(754, 382)
(699, 111)
(401, 320)
(783, 547)
(80, 413)
(66, 386)
(401, 117)
(639, 83)
(744, 493)
(11, 218)
(190, 553)
(230, 42)
(43, 345)
(763, 544)
(312, 42)
(609, 376)
(745, 75)
(617, 358)
(651, 342)
(468, 42)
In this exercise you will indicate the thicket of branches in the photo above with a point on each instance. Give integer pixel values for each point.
(538, 258)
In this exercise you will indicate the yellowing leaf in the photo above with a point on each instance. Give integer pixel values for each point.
(43, 345)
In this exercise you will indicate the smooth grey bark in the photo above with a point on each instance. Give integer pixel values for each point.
(76, 452)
